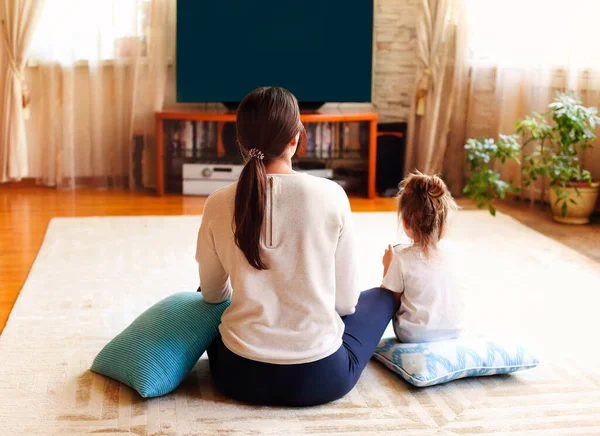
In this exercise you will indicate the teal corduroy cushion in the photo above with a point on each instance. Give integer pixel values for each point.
(162, 345)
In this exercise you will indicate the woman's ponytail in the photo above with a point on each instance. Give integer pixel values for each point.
(249, 212)
(267, 120)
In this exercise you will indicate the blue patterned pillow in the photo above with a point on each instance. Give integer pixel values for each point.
(162, 345)
(433, 363)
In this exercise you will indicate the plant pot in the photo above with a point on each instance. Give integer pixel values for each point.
(576, 213)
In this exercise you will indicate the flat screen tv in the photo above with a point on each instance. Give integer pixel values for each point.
(321, 50)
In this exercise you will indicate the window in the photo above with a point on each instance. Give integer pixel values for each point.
(532, 33)
(70, 31)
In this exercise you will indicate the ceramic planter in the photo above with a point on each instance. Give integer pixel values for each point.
(576, 213)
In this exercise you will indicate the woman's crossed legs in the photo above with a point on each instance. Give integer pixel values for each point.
(311, 383)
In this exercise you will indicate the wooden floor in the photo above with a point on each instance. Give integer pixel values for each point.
(25, 212)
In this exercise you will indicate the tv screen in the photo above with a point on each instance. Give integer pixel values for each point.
(321, 50)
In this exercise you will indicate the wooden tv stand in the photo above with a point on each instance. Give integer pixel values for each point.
(221, 116)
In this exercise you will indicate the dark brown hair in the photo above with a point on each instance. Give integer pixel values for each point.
(267, 119)
(424, 203)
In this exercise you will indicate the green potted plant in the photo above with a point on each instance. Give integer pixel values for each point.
(573, 193)
(485, 184)
(559, 136)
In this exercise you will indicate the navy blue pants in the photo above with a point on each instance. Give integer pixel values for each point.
(307, 384)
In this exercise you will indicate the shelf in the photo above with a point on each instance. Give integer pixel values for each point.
(337, 155)
(213, 158)
(223, 152)
(222, 115)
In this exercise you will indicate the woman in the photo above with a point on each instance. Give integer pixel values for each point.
(280, 245)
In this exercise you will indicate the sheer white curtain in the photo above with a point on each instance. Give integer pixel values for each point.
(436, 122)
(97, 74)
(19, 18)
(521, 53)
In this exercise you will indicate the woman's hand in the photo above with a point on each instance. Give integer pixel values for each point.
(387, 259)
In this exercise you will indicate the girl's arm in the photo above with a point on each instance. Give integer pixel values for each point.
(387, 259)
(393, 278)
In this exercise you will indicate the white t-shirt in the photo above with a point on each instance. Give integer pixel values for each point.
(431, 308)
(289, 313)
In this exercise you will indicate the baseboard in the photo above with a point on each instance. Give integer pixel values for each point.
(85, 181)
(28, 182)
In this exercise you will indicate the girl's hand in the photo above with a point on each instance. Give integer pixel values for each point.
(387, 258)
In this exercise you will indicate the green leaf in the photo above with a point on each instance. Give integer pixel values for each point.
(572, 201)
(564, 209)
(492, 210)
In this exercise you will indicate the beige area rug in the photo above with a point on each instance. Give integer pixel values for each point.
(93, 276)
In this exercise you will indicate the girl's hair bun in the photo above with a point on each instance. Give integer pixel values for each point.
(436, 187)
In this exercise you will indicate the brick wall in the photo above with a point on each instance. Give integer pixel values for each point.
(394, 57)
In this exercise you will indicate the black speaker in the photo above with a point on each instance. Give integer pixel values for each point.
(391, 147)
(229, 138)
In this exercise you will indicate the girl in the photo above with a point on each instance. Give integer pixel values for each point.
(423, 275)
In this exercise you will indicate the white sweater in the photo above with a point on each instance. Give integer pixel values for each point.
(289, 313)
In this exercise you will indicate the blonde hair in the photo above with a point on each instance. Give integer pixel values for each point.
(424, 203)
